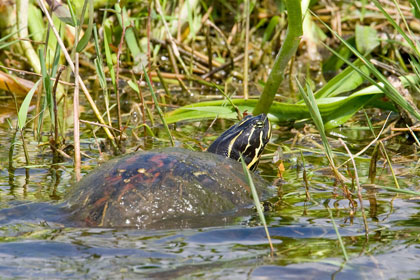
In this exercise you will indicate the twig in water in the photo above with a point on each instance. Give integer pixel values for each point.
(100, 125)
(389, 163)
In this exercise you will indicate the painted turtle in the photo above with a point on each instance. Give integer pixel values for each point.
(173, 187)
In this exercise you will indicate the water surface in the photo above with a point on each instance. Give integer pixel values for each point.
(304, 238)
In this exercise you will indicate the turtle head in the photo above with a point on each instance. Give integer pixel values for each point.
(248, 137)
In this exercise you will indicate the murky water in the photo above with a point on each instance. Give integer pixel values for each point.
(306, 244)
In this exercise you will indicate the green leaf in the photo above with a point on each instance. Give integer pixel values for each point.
(46, 80)
(366, 38)
(334, 63)
(64, 15)
(313, 109)
(415, 8)
(88, 33)
(334, 110)
(268, 33)
(348, 80)
(72, 14)
(130, 36)
(108, 54)
(36, 23)
(387, 88)
(23, 110)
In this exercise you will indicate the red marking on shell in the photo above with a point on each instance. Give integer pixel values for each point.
(155, 176)
(113, 179)
(158, 160)
(131, 159)
(159, 163)
(147, 178)
(90, 223)
(137, 178)
(126, 188)
(101, 201)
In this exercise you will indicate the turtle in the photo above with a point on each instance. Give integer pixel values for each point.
(166, 188)
(174, 187)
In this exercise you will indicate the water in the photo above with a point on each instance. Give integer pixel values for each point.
(305, 242)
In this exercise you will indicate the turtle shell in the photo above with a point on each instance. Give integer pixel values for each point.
(164, 188)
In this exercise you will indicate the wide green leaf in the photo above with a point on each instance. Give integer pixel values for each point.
(334, 110)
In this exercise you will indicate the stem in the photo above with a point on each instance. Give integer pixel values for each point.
(288, 49)
(54, 95)
(149, 16)
(117, 88)
(209, 50)
(76, 134)
(246, 49)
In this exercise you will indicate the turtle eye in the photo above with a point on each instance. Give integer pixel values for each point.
(260, 124)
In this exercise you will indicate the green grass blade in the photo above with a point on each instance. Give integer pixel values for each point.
(98, 61)
(108, 53)
(56, 60)
(257, 202)
(5, 45)
(345, 81)
(5, 37)
(159, 110)
(46, 79)
(88, 33)
(268, 32)
(397, 27)
(74, 21)
(343, 248)
(386, 86)
(130, 37)
(23, 110)
(397, 190)
(310, 101)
